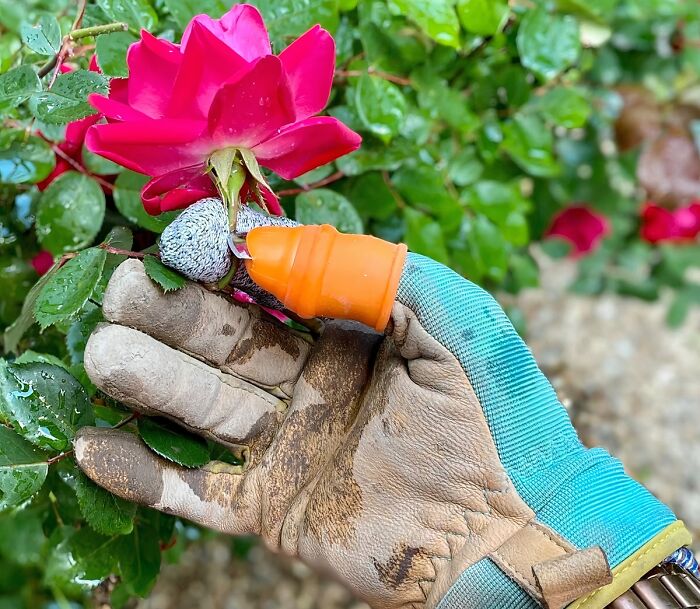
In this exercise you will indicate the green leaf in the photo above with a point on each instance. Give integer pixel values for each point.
(45, 37)
(436, 18)
(66, 293)
(548, 44)
(371, 197)
(25, 160)
(21, 536)
(424, 236)
(375, 157)
(183, 10)
(31, 357)
(441, 101)
(173, 442)
(80, 330)
(166, 278)
(127, 198)
(67, 99)
(17, 85)
(140, 558)
(424, 187)
(530, 144)
(483, 17)
(70, 213)
(323, 206)
(104, 512)
(121, 238)
(23, 469)
(43, 403)
(465, 168)
(567, 107)
(380, 105)
(479, 250)
(82, 560)
(288, 18)
(13, 334)
(139, 14)
(111, 53)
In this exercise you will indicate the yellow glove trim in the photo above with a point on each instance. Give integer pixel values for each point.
(631, 570)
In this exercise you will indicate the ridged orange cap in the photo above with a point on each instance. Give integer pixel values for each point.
(316, 271)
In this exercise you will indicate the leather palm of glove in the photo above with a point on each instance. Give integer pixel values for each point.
(371, 456)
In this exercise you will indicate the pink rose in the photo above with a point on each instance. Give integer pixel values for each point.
(660, 224)
(72, 144)
(581, 227)
(221, 87)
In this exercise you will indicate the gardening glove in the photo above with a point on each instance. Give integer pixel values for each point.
(427, 466)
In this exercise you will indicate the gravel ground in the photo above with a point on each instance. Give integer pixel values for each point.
(631, 383)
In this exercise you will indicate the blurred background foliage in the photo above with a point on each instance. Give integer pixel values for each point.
(483, 121)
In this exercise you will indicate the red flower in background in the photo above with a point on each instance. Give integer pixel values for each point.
(580, 226)
(660, 224)
(221, 87)
(71, 148)
(42, 262)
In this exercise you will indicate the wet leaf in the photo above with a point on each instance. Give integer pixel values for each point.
(483, 17)
(139, 14)
(531, 145)
(23, 469)
(165, 277)
(568, 107)
(323, 206)
(380, 105)
(67, 291)
(70, 213)
(436, 18)
(104, 512)
(111, 53)
(43, 403)
(174, 443)
(67, 99)
(17, 85)
(548, 44)
(44, 38)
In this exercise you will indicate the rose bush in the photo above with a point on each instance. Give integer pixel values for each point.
(485, 134)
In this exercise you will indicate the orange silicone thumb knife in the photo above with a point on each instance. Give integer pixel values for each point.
(316, 271)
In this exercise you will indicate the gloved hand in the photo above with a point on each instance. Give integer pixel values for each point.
(431, 466)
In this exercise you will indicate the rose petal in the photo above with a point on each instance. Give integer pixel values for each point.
(310, 64)
(115, 110)
(207, 64)
(306, 145)
(119, 90)
(580, 226)
(75, 134)
(150, 147)
(177, 190)
(250, 110)
(153, 65)
(242, 29)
